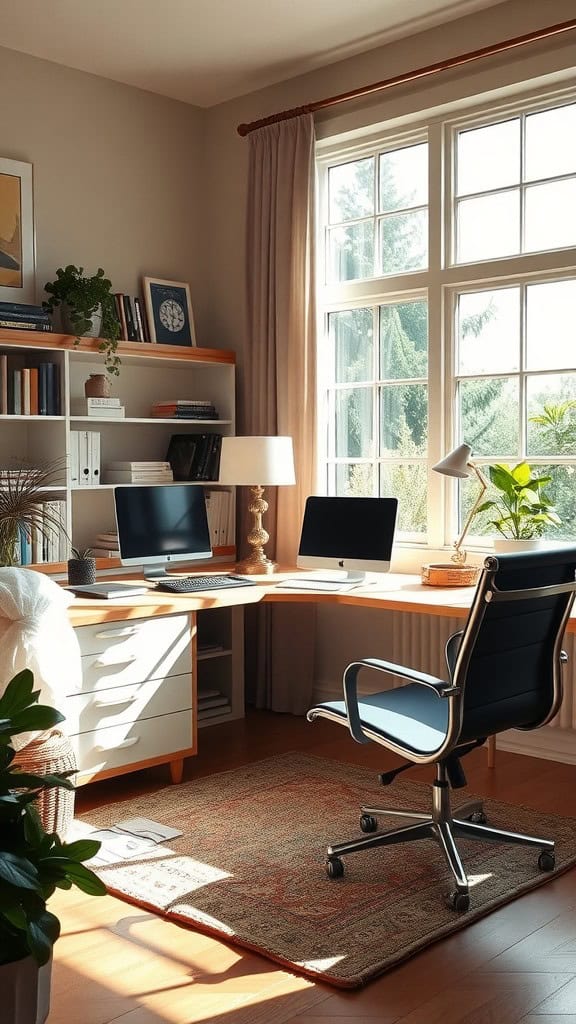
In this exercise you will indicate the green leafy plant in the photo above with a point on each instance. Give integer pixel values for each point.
(81, 553)
(84, 297)
(557, 423)
(23, 496)
(33, 863)
(524, 511)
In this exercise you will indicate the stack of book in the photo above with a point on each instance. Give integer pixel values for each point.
(185, 409)
(106, 545)
(138, 473)
(21, 316)
(103, 408)
(131, 317)
(211, 703)
(195, 456)
(28, 390)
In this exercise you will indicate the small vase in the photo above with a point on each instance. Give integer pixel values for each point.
(97, 386)
(81, 571)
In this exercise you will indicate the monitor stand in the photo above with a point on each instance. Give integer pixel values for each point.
(155, 572)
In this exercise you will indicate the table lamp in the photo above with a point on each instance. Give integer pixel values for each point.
(256, 462)
(457, 464)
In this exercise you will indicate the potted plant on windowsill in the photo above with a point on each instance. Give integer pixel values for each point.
(523, 511)
(88, 309)
(33, 863)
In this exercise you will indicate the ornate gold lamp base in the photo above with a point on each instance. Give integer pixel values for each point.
(257, 563)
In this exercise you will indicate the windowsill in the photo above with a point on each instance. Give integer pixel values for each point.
(411, 559)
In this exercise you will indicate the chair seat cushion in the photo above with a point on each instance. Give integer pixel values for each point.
(412, 716)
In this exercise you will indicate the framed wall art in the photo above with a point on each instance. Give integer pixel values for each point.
(17, 272)
(169, 312)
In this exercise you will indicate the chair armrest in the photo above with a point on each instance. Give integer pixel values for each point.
(440, 687)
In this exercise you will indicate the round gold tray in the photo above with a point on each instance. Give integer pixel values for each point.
(450, 575)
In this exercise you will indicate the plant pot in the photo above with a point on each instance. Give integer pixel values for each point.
(81, 571)
(92, 332)
(505, 545)
(97, 386)
(25, 989)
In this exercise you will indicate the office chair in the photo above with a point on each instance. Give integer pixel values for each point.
(504, 671)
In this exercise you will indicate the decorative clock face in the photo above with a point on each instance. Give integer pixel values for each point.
(171, 315)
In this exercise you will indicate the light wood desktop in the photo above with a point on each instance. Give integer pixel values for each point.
(163, 701)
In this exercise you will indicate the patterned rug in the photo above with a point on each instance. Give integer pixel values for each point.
(249, 866)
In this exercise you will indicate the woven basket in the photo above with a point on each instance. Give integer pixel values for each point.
(48, 754)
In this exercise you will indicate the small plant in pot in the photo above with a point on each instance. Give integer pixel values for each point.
(33, 863)
(89, 307)
(81, 567)
(523, 510)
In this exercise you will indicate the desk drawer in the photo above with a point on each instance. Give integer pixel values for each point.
(124, 704)
(117, 746)
(132, 634)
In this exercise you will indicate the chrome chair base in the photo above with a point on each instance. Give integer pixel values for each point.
(468, 821)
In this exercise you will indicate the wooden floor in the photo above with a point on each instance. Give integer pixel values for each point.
(116, 963)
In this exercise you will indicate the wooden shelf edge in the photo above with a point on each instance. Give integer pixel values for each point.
(48, 340)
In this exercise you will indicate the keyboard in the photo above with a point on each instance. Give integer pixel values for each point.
(192, 584)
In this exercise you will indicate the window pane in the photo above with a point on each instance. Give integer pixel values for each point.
(404, 178)
(354, 430)
(489, 416)
(488, 331)
(551, 143)
(404, 242)
(488, 227)
(351, 252)
(551, 325)
(552, 415)
(351, 190)
(355, 480)
(351, 336)
(488, 158)
(404, 340)
(551, 215)
(561, 492)
(403, 420)
(409, 483)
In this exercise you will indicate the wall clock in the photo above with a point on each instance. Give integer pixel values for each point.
(169, 312)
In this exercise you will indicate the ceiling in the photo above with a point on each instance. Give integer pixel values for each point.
(208, 51)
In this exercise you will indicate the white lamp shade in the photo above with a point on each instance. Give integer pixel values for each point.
(456, 463)
(257, 461)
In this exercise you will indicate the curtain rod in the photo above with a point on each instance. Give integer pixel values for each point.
(410, 76)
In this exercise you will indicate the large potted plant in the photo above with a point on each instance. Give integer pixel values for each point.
(33, 863)
(89, 309)
(522, 510)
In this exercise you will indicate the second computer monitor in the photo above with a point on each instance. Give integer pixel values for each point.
(350, 534)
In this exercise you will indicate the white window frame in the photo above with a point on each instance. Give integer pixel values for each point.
(443, 279)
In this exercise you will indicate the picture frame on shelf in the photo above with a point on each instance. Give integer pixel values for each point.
(169, 312)
(17, 252)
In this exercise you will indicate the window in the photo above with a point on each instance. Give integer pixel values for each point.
(448, 304)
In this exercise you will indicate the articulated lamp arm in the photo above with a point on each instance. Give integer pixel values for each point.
(459, 556)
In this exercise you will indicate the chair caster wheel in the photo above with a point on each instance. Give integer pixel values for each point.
(478, 818)
(368, 823)
(459, 901)
(546, 861)
(334, 867)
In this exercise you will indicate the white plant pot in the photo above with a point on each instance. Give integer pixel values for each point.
(93, 332)
(505, 545)
(25, 989)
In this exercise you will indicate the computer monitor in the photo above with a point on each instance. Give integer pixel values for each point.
(161, 524)
(350, 534)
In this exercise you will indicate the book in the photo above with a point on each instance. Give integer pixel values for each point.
(106, 552)
(110, 535)
(121, 313)
(23, 308)
(102, 403)
(16, 315)
(139, 320)
(214, 712)
(33, 390)
(116, 413)
(129, 314)
(138, 476)
(116, 466)
(108, 590)
(24, 325)
(185, 401)
(3, 385)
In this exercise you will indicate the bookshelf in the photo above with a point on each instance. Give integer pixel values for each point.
(149, 372)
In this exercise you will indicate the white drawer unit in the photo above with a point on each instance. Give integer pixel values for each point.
(136, 705)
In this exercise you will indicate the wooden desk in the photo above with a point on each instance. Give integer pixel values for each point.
(148, 668)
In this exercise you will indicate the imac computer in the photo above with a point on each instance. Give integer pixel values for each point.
(351, 535)
(162, 524)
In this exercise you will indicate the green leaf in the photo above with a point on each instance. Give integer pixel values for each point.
(86, 880)
(18, 871)
(18, 694)
(82, 849)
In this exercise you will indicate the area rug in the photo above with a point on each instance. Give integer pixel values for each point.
(249, 866)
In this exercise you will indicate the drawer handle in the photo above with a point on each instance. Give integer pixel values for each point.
(103, 663)
(116, 702)
(117, 746)
(124, 631)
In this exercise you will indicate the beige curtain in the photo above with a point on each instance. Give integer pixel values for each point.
(280, 388)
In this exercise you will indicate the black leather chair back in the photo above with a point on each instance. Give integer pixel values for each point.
(508, 660)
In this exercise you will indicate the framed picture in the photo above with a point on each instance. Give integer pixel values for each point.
(17, 280)
(169, 312)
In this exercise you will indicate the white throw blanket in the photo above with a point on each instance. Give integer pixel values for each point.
(35, 633)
